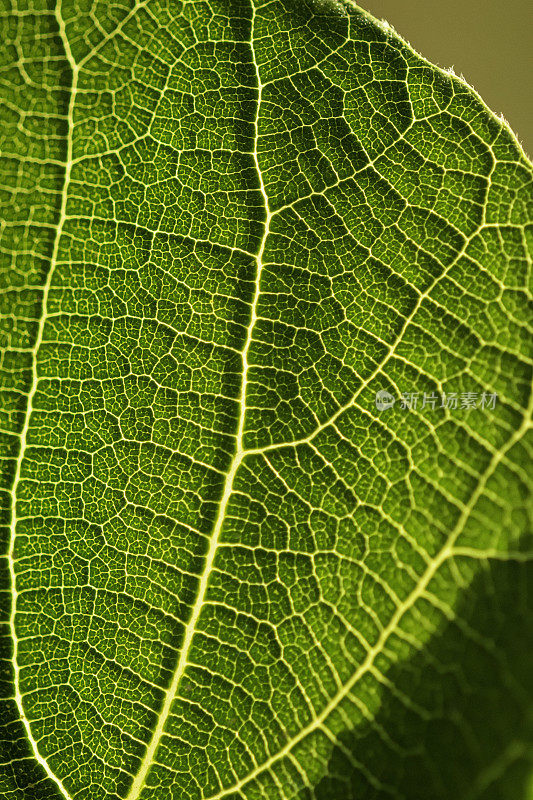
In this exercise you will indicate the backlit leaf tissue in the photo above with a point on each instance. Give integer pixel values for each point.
(237, 562)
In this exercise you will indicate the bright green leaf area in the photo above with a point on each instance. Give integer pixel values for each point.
(226, 573)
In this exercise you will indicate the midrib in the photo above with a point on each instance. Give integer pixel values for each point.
(140, 778)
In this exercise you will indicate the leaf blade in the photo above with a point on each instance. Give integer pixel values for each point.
(314, 479)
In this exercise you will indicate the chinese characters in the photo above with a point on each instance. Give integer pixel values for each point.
(430, 401)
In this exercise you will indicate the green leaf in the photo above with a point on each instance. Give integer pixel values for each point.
(226, 573)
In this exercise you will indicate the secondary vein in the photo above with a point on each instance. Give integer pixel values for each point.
(446, 552)
(29, 407)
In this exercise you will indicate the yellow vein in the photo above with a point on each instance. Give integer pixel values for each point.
(445, 553)
(29, 408)
(140, 779)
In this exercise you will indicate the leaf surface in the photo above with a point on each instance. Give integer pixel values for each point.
(226, 572)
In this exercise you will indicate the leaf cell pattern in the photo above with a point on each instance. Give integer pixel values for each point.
(225, 574)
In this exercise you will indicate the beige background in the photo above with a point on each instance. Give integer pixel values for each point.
(489, 42)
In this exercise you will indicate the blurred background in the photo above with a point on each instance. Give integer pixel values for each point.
(489, 42)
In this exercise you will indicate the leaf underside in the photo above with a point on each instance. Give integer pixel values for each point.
(224, 573)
